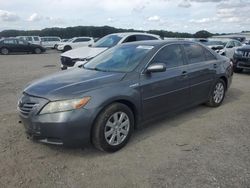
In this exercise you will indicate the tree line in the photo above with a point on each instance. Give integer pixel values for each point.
(96, 32)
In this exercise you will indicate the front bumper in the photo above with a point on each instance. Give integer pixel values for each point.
(242, 63)
(70, 128)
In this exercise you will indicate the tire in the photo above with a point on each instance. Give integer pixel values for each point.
(55, 47)
(217, 94)
(105, 123)
(4, 51)
(37, 50)
(67, 48)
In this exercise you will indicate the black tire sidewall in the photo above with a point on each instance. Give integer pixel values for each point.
(37, 52)
(67, 48)
(98, 132)
(6, 49)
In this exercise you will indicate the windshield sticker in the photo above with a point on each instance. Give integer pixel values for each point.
(145, 47)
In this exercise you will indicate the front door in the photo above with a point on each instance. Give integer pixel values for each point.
(165, 91)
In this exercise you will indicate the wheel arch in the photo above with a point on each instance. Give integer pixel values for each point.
(224, 78)
(127, 102)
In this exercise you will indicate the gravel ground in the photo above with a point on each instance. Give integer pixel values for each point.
(201, 147)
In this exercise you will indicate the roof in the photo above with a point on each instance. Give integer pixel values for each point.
(159, 42)
(125, 34)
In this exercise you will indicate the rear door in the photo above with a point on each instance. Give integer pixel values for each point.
(79, 42)
(11, 44)
(23, 46)
(165, 91)
(201, 71)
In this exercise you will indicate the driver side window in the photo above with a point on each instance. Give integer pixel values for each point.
(171, 56)
(130, 39)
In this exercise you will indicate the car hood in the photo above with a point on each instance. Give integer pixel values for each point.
(245, 48)
(83, 52)
(71, 83)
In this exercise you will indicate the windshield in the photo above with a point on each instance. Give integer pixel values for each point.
(119, 59)
(107, 41)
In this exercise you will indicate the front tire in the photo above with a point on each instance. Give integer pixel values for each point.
(37, 51)
(218, 94)
(113, 128)
(67, 48)
(4, 51)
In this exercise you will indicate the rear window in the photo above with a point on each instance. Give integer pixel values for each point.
(82, 40)
(145, 37)
(194, 53)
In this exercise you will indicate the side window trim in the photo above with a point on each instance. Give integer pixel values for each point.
(150, 61)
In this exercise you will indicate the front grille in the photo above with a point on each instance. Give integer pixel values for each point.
(246, 54)
(25, 108)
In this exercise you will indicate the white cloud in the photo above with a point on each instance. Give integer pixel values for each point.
(35, 17)
(8, 16)
(184, 4)
(154, 18)
(110, 19)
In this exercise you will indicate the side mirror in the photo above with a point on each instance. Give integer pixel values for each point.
(157, 67)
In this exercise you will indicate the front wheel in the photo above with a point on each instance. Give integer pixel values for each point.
(67, 48)
(218, 94)
(37, 51)
(113, 128)
(4, 51)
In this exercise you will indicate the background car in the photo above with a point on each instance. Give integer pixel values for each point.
(229, 48)
(120, 89)
(77, 57)
(50, 42)
(241, 59)
(31, 39)
(9, 45)
(75, 42)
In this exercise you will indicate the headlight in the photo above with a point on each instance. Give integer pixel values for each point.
(66, 105)
(238, 52)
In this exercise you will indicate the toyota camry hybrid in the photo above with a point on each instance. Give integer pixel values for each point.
(117, 91)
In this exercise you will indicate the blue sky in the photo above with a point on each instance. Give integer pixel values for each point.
(222, 16)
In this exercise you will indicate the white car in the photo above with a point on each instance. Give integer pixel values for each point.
(50, 42)
(75, 42)
(31, 39)
(77, 57)
(229, 47)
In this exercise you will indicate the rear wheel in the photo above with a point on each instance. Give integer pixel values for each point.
(67, 48)
(4, 51)
(38, 50)
(218, 94)
(113, 128)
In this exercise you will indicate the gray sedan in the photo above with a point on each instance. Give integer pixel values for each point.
(115, 92)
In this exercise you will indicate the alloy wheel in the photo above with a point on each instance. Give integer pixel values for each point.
(117, 128)
(218, 92)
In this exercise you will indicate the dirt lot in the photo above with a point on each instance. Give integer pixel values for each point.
(202, 147)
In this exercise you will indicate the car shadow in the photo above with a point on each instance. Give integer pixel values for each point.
(153, 126)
